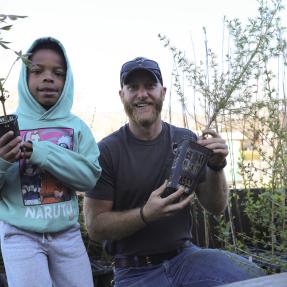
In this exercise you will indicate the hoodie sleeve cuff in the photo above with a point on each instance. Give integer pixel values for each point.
(4, 165)
(39, 154)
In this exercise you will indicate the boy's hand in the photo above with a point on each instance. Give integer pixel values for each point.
(26, 150)
(10, 147)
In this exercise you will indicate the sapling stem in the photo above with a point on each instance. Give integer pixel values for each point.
(2, 99)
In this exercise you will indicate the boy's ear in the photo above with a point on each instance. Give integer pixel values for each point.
(121, 94)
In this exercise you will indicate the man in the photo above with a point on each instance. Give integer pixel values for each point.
(149, 234)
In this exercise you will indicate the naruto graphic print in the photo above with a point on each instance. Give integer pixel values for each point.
(39, 186)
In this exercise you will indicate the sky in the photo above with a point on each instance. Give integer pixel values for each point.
(100, 36)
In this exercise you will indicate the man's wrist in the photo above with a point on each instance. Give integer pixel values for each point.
(217, 167)
(142, 215)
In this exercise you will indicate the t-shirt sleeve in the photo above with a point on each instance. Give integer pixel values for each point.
(104, 189)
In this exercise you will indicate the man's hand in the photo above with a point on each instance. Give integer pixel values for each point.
(215, 143)
(10, 147)
(157, 207)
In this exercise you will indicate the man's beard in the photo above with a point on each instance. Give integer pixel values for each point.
(136, 116)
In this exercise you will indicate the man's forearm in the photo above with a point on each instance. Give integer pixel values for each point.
(114, 225)
(213, 193)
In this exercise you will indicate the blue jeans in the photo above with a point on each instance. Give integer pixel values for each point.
(194, 267)
(37, 259)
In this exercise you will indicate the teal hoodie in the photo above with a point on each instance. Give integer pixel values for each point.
(40, 194)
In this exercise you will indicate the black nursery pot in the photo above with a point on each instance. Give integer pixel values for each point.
(8, 123)
(187, 166)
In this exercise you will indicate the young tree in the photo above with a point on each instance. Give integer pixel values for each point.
(246, 93)
(8, 122)
(5, 26)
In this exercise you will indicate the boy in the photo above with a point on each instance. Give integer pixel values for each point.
(39, 173)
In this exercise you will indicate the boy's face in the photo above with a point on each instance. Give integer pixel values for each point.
(46, 77)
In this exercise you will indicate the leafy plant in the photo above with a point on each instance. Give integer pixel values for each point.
(246, 92)
(218, 90)
(5, 26)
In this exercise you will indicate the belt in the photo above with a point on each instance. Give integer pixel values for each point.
(146, 260)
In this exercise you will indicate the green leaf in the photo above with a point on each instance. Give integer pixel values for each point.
(6, 28)
(19, 53)
(4, 46)
(15, 17)
(2, 17)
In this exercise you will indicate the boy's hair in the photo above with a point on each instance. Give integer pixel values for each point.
(50, 45)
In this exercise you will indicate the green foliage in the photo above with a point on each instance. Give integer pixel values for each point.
(246, 93)
(5, 26)
(218, 89)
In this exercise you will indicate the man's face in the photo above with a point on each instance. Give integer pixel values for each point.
(46, 77)
(142, 98)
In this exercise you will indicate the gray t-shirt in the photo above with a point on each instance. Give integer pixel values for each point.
(131, 170)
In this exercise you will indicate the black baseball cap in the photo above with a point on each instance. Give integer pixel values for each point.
(140, 63)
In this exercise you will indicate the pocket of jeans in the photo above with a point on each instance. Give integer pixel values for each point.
(130, 276)
(125, 276)
(120, 272)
